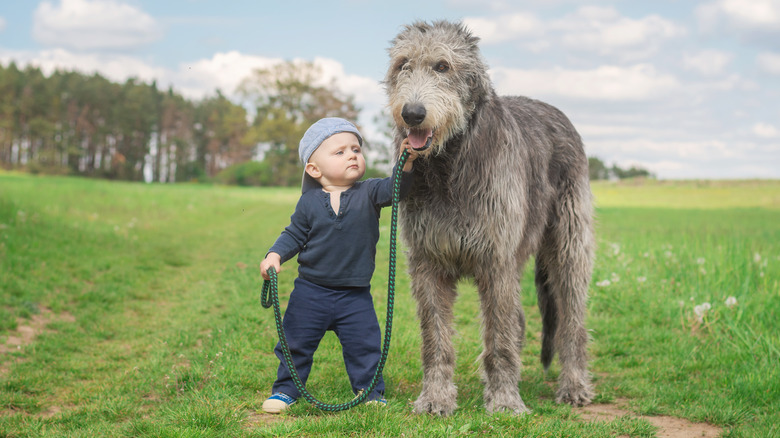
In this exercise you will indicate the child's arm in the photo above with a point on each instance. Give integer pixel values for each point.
(272, 260)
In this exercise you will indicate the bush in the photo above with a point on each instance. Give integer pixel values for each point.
(249, 173)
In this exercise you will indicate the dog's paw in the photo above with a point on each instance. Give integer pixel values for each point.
(441, 408)
(575, 396)
(510, 408)
(508, 401)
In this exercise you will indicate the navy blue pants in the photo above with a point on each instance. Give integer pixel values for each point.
(312, 311)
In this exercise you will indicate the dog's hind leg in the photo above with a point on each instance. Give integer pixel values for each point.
(565, 262)
(435, 294)
(503, 329)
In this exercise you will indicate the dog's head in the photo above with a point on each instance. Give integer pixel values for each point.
(435, 81)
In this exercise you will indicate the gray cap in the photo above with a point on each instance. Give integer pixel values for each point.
(313, 138)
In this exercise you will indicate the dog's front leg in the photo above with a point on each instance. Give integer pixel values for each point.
(435, 294)
(503, 325)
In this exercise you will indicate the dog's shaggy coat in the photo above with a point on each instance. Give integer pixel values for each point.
(504, 178)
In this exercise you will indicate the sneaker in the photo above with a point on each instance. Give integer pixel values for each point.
(277, 403)
(381, 402)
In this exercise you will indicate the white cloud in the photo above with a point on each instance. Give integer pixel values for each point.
(2, 24)
(704, 158)
(224, 70)
(604, 31)
(754, 19)
(640, 82)
(504, 28)
(707, 62)
(769, 62)
(593, 29)
(93, 25)
(765, 130)
(114, 67)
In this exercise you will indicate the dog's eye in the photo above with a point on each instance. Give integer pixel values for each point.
(441, 67)
(403, 65)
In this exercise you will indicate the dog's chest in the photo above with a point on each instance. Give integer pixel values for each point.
(442, 228)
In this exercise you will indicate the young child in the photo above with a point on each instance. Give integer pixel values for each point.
(334, 231)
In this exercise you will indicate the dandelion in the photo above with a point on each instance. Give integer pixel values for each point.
(603, 283)
(701, 310)
(731, 302)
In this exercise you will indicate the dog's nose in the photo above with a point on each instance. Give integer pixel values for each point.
(413, 113)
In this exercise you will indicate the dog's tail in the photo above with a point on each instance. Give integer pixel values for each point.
(549, 312)
(563, 269)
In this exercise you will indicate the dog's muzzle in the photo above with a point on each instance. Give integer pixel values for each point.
(413, 115)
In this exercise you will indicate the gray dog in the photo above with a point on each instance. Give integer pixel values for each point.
(501, 179)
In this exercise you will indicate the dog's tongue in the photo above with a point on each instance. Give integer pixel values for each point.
(418, 138)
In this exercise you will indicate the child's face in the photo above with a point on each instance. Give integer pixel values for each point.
(338, 161)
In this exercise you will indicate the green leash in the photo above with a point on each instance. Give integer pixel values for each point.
(270, 297)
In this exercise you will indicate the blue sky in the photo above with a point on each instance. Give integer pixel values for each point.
(685, 88)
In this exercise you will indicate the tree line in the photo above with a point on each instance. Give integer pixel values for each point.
(77, 124)
(598, 170)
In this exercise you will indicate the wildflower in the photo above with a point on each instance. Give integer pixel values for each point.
(603, 283)
(731, 302)
(700, 310)
(615, 249)
(615, 278)
(641, 279)
(757, 258)
(700, 261)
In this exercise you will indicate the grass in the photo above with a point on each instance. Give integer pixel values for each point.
(155, 327)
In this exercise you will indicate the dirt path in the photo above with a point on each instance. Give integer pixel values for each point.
(27, 330)
(668, 427)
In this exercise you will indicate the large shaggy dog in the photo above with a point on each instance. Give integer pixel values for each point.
(502, 178)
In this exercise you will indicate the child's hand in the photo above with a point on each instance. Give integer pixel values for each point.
(272, 260)
(413, 154)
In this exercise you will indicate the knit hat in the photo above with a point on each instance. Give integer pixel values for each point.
(313, 138)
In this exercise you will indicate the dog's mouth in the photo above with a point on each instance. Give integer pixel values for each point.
(420, 139)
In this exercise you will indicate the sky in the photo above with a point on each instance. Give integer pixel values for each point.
(688, 89)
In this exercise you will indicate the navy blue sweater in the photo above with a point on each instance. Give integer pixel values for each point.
(338, 250)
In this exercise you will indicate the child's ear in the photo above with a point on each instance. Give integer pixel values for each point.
(313, 170)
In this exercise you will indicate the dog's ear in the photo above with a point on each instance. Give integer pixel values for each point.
(479, 85)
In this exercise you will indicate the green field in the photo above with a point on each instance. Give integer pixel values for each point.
(140, 307)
